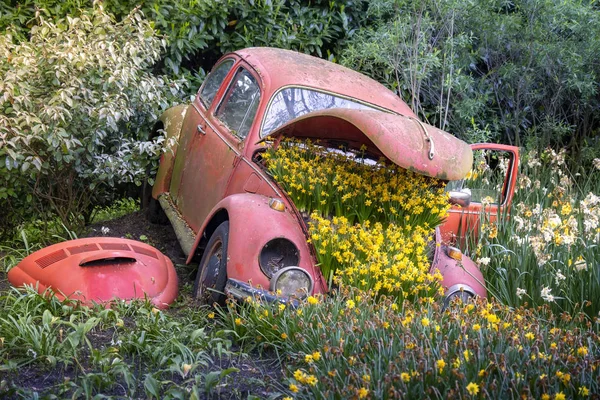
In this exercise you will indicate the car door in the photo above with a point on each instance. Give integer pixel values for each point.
(217, 143)
(489, 186)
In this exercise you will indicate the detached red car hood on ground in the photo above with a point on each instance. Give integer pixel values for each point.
(99, 270)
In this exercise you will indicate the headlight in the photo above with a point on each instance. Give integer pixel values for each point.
(292, 281)
(277, 254)
(458, 291)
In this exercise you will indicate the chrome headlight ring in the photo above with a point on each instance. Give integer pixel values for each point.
(292, 281)
(462, 291)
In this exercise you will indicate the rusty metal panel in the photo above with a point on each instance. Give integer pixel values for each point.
(252, 224)
(463, 222)
(172, 120)
(278, 68)
(207, 167)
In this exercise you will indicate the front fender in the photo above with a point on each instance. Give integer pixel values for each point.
(252, 223)
(172, 121)
(463, 272)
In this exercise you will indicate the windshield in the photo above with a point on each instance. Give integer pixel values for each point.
(294, 102)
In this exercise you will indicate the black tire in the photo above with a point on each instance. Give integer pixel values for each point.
(155, 214)
(212, 271)
(151, 207)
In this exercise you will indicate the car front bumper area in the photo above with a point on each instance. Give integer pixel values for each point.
(241, 290)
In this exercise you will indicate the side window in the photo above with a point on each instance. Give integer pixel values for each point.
(240, 103)
(213, 82)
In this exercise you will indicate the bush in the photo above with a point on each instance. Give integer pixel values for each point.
(77, 99)
(199, 32)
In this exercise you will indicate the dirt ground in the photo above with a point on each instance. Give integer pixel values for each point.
(259, 374)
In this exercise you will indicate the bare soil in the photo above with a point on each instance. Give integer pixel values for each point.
(135, 226)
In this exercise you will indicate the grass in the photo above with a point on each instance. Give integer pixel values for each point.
(536, 337)
(131, 350)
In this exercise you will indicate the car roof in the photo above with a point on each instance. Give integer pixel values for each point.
(279, 68)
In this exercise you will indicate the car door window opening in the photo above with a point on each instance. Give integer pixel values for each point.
(213, 82)
(240, 104)
(488, 180)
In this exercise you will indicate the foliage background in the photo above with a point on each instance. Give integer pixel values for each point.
(194, 34)
(519, 72)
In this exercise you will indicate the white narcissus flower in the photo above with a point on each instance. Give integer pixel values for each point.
(484, 261)
(580, 265)
(105, 230)
(521, 292)
(546, 294)
(554, 220)
(559, 277)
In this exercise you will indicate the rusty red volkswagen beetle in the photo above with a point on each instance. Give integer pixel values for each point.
(229, 212)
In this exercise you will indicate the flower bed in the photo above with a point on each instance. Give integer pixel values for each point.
(370, 222)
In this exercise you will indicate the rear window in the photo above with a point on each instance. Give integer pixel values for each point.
(293, 102)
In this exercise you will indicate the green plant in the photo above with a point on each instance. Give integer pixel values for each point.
(77, 100)
(131, 350)
(545, 251)
(351, 345)
(116, 209)
(200, 31)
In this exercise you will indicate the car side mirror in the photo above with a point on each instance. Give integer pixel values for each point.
(460, 197)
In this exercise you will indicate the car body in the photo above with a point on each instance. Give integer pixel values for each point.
(211, 182)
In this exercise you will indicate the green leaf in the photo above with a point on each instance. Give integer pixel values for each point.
(47, 317)
(151, 385)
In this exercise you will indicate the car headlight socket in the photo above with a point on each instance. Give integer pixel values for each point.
(292, 281)
(277, 254)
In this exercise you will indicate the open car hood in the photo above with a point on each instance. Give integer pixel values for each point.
(405, 141)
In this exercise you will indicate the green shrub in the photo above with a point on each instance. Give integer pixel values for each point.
(77, 100)
(200, 31)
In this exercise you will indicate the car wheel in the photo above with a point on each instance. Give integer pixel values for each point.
(212, 271)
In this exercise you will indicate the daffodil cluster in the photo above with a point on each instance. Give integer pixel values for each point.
(353, 344)
(370, 222)
(337, 183)
(390, 259)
